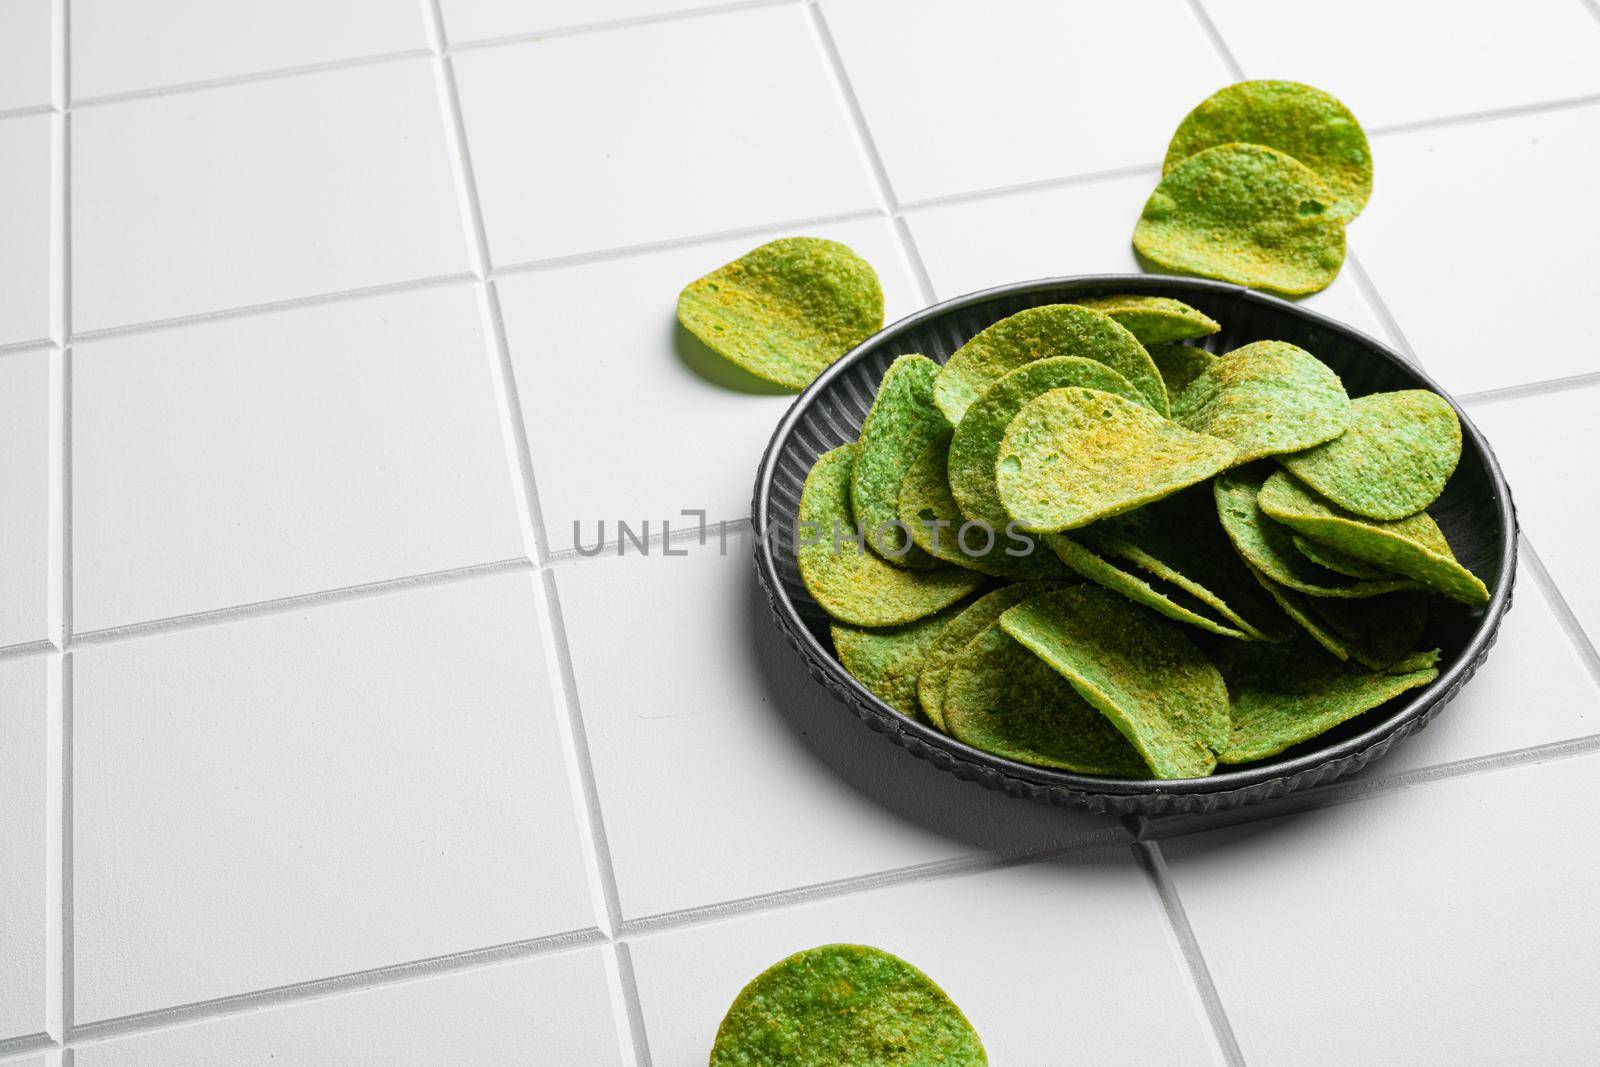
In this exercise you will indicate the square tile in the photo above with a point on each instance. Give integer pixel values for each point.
(25, 227)
(27, 581)
(24, 835)
(655, 132)
(252, 458)
(628, 415)
(1487, 210)
(1062, 961)
(319, 792)
(25, 54)
(1546, 446)
(1076, 229)
(249, 194)
(555, 1008)
(1403, 62)
(1031, 90)
(1446, 923)
(476, 20)
(725, 771)
(119, 47)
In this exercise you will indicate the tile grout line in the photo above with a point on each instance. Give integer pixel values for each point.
(1571, 627)
(1471, 118)
(1380, 307)
(1218, 42)
(60, 937)
(252, 78)
(63, 935)
(1036, 185)
(605, 26)
(1527, 389)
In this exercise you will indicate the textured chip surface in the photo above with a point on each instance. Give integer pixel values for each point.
(787, 310)
(1155, 319)
(1073, 456)
(1376, 632)
(1154, 593)
(1180, 365)
(957, 634)
(889, 661)
(844, 1004)
(1267, 397)
(1245, 214)
(1337, 561)
(902, 422)
(1304, 122)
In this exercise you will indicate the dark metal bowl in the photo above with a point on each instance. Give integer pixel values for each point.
(1475, 512)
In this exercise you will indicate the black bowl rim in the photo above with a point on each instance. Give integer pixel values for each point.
(1348, 754)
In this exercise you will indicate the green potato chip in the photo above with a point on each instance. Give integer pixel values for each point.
(1306, 123)
(1042, 333)
(1267, 398)
(844, 1004)
(1154, 593)
(1393, 461)
(1155, 319)
(975, 446)
(1245, 214)
(1180, 365)
(1005, 700)
(1337, 561)
(1074, 456)
(1281, 695)
(957, 634)
(1413, 546)
(1140, 670)
(889, 661)
(1269, 547)
(849, 582)
(902, 422)
(787, 310)
(1375, 632)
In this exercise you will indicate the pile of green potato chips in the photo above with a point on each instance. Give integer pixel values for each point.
(1087, 543)
(1256, 189)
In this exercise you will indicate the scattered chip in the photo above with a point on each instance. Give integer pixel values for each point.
(1306, 123)
(1393, 461)
(1268, 397)
(1337, 561)
(1154, 593)
(1155, 319)
(1413, 546)
(1180, 365)
(852, 584)
(1140, 670)
(1245, 214)
(1074, 456)
(1376, 632)
(888, 661)
(1005, 700)
(957, 634)
(838, 1004)
(902, 422)
(1042, 333)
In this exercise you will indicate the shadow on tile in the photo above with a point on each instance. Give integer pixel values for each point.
(708, 366)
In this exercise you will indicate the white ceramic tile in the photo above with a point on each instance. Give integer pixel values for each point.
(1419, 60)
(1479, 213)
(26, 398)
(316, 793)
(222, 198)
(1546, 446)
(1075, 229)
(1448, 923)
(628, 415)
(725, 771)
(25, 61)
(1063, 961)
(661, 131)
(24, 833)
(476, 20)
(552, 1009)
(119, 47)
(248, 459)
(25, 228)
(1028, 90)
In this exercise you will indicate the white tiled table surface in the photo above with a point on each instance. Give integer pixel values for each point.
(322, 322)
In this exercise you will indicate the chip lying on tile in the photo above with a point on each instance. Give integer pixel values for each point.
(1257, 564)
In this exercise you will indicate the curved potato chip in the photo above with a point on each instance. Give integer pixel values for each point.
(848, 581)
(1046, 332)
(976, 444)
(1075, 456)
(958, 634)
(888, 661)
(844, 1004)
(1393, 461)
(1180, 365)
(1306, 123)
(901, 423)
(1267, 397)
(1140, 670)
(1413, 546)
(1281, 695)
(1269, 546)
(1154, 593)
(1003, 699)
(1245, 214)
(1376, 632)
(1337, 561)
(1155, 319)
(787, 310)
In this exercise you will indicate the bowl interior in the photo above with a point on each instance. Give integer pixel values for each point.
(1474, 510)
